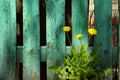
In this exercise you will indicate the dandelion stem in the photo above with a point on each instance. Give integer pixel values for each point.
(69, 39)
(80, 42)
(89, 39)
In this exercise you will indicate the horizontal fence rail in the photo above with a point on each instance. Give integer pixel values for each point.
(67, 49)
(44, 54)
(31, 55)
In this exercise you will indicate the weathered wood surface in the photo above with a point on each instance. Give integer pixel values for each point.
(31, 39)
(7, 39)
(55, 18)
(19, 54)
(115, 53)
(53, 53)
(79, 21)
(103, 24)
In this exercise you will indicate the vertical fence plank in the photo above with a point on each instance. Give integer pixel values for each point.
(7, 39)
(79, 21)
(31, 55)
(55, 12)
(103, 18)
(12, 74)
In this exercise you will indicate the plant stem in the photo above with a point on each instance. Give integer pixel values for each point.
(89, 40)
(80, 42)
(69, 39)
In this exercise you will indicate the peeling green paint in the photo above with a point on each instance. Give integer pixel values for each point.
(7, 42)
(55, 36)
(31, 56)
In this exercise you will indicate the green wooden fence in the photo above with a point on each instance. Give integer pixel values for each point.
(31, 54)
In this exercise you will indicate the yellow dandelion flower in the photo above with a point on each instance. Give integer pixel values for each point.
(92, 31)
(66, 28)
(78, 36)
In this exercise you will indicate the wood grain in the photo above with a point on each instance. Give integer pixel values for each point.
(55, 20)
(31, 44)
(7, 40)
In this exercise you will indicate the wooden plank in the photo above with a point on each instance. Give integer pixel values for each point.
(103, 24)
(7, 39)
(31, 55)
(43, 53)
(79, 21)
(114, 1)
(55, 18)
(68, 52)
(19, 53)
(114, 5)
(12, 44)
